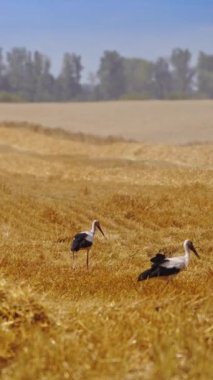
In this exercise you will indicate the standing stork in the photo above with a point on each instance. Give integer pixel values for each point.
(166, 267)
(84, 240)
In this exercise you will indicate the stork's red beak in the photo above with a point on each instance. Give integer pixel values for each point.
(100, 229)
(195, 252)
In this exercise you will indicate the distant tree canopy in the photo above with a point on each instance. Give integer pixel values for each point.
(182, 73)
(139, 77)
(162, 78)
(111, 75)
(27, 76)
(205, 75)
(68, 82)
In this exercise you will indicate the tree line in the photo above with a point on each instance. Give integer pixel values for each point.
(27, 76)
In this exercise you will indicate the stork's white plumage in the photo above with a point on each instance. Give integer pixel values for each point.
(166, 267)
(84, 240)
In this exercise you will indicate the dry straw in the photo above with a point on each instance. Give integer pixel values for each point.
(56, 323)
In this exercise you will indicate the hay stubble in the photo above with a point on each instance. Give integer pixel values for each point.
(57, 323)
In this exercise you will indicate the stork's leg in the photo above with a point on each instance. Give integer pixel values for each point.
(87, 258)
(73, 259)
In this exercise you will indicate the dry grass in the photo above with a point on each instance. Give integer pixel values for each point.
(56, 323)
(153, 121)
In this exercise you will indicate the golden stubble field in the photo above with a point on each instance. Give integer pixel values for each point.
(60, 323)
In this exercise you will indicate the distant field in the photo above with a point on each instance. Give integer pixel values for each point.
(176, 122)
(58, 323)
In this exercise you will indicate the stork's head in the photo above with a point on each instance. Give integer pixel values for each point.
(98, 225)
(188, 245)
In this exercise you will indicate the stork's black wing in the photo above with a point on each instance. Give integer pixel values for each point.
(80, 242)
(158, 259)
(158, 271)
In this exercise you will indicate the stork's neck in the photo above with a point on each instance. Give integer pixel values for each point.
(187, 254)
(93, 229)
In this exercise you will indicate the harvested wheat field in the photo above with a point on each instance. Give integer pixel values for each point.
(176, 122)
(58, 323)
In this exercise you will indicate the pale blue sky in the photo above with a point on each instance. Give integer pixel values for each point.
(140, 28)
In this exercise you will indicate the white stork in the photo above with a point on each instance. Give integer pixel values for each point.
(166, 267)
(84, 240)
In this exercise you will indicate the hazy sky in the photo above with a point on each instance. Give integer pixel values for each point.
(140, 28)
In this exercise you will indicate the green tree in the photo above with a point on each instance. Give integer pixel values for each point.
(16, 61)
(43, 81)
(182, 73)
(111, 75)
(69, 79)
(205, 75)
(2, 68)
(138, 77)
(162, 79)
(29, 75)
